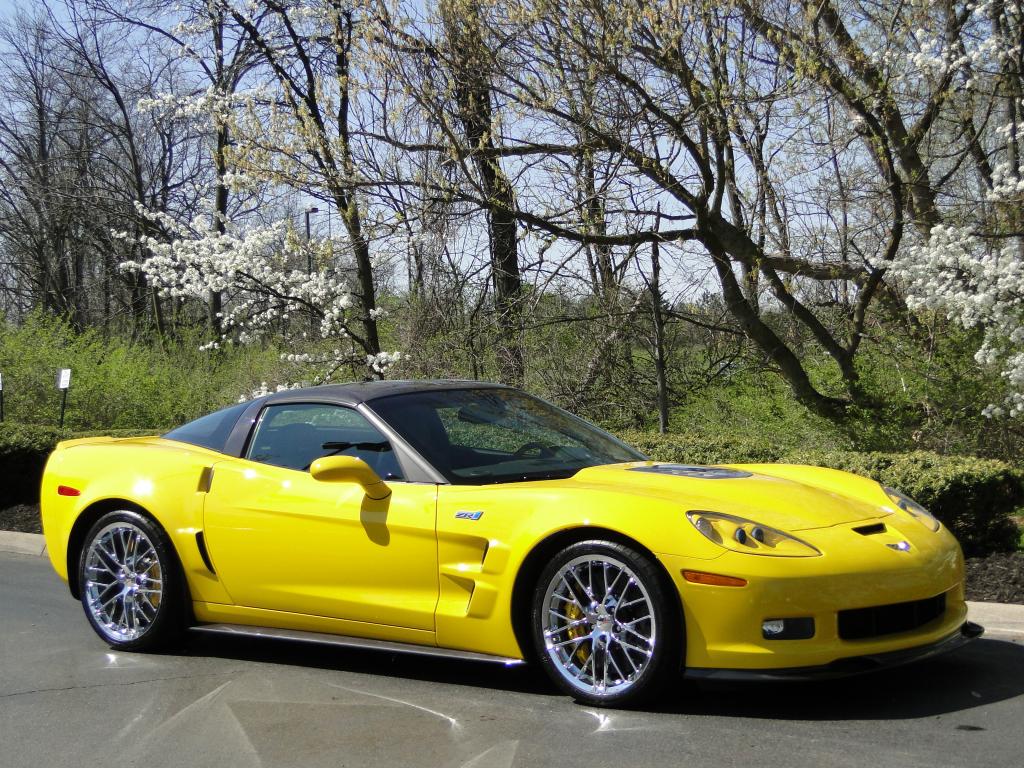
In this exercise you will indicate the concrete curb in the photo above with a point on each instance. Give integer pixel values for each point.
(1003, 620)
(1000, 620)
(22, 543)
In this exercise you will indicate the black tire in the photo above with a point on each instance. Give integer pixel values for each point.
(608, 631)
(119, 601)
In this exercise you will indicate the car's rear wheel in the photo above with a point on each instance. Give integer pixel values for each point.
(130, 582)
(606, 625)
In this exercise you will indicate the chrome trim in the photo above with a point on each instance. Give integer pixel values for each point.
(346, 641)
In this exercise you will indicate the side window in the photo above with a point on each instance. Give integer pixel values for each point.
(295, 435)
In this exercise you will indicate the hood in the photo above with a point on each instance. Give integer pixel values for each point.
(788, 497)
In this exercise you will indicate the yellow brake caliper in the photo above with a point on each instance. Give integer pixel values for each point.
(574, 613)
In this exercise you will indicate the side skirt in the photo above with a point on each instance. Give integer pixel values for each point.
(346, 641)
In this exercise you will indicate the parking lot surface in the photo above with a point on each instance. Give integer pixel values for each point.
(68, 700)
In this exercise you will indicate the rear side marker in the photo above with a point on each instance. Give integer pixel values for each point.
(714, 579)
(67, 490)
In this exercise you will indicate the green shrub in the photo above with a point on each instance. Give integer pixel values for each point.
(117, 383)
(703, 449)
(975, 498)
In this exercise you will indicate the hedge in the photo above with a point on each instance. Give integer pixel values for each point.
(704, 449)
(975, 498)
(23, 452)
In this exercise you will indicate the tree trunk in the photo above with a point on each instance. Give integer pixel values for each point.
(473, 100)
(659, 338)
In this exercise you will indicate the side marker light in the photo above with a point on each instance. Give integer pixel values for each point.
(714, 579)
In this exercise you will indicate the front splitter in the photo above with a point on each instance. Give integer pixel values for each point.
(854, 665)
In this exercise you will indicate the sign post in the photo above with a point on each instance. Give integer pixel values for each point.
(1, 397)
(63, 384)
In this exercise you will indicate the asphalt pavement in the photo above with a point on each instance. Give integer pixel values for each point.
(66, 699)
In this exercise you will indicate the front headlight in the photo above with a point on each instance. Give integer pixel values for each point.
(912, 508)
(746, 536)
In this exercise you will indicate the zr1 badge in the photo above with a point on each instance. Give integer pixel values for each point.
(466, 515)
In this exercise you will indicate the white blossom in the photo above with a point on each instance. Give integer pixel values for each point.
(979, 282)
(383, 361)
(264, 296)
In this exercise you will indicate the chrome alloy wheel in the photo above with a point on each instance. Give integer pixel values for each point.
(123, 581)
(599, 625)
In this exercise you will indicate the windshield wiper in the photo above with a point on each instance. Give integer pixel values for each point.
(522, 477)
(338, 446)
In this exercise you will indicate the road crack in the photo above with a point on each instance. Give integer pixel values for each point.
(89, 686)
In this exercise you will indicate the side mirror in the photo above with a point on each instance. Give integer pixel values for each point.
(349, 469)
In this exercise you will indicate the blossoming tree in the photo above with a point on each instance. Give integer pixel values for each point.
(970, 265)
(279, 135)
(268, 296)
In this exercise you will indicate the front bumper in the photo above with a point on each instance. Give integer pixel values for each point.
(854, 665)
(724, 623)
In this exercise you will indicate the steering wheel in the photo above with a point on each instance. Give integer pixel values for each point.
(527, 449)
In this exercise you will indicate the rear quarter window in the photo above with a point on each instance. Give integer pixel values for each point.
(210, 431)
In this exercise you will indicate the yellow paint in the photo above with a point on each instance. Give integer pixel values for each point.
(294, 552)
(323, 548)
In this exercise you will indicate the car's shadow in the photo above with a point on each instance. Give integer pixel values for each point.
(521, 677)
(984, 672)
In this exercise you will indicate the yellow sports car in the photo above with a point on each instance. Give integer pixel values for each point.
(474, 520)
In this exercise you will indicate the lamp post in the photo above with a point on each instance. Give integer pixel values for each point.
(309, 251)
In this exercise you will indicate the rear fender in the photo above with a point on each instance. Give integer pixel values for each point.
(167, 485)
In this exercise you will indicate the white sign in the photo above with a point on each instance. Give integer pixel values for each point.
(64, 378)
(1, 382)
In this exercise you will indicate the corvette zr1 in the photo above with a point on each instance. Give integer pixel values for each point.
(469, 519)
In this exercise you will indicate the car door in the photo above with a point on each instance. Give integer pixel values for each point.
(283, 541)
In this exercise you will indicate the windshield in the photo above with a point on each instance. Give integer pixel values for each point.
(475, 436)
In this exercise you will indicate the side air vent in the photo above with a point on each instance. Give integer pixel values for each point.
(201, 546)
(870, 530)
(205, 480)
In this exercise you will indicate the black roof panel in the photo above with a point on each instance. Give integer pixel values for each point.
(364, 391)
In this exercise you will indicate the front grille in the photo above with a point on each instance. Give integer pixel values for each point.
(861, 623)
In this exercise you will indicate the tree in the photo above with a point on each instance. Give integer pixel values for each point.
(971, 268)
(305, 138)
(222, 56)
(671, 101)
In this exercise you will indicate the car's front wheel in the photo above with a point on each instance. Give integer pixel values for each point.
(606, 625)
(130, 582)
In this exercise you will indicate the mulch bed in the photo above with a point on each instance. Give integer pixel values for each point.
(21, 517)
(997, 578)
